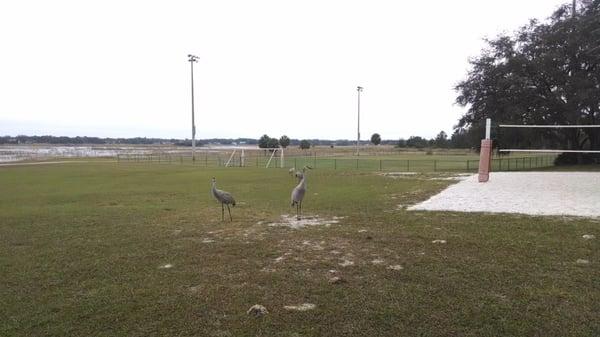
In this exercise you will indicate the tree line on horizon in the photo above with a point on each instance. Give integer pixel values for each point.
(440, 141)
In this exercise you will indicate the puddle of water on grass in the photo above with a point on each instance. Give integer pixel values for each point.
(166, 266)
(395, 267)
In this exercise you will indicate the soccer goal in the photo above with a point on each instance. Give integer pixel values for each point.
(244, 157)
(486, 145)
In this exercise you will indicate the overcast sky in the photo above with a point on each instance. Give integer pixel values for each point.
(119, 68)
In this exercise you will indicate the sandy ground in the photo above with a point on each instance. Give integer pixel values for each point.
(533, 193)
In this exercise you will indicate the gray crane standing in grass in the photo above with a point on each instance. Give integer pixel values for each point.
(225, 198)
(299, 192)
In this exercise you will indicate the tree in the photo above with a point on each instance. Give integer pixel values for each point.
(376, 139)
(263, 142)
(460, 139)
(441, 140)
(416, 141)
(272, 143)
(547, 73)
(304, 144)
(401, 142)
(284, 141)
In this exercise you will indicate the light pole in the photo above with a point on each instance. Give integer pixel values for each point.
(359, 89)
(192, 59)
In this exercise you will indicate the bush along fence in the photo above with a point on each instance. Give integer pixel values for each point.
(403, 165)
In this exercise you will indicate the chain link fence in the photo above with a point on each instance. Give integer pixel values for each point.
(214, 160)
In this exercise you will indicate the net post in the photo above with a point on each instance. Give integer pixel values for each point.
(485, 154)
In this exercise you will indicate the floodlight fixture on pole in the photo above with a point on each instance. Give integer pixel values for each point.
(359, 89)
(192, 59)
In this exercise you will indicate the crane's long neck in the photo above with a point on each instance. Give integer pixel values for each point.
(303, 181)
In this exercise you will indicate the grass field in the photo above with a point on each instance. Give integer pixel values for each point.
(82, 245)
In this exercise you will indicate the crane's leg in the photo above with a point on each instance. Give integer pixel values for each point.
(297, 211)
(300, 208)
(222, 212)
(230, 219)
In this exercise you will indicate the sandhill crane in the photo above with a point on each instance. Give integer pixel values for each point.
(299, 192)
(225, 198)
(294, 173)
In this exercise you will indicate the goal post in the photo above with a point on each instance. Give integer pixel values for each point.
(239, 156)
(274, 151)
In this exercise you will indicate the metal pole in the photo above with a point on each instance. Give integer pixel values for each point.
(358, 89)
(193, 118)
(193, 59)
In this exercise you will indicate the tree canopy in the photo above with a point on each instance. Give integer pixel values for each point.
(267, 142)
(416, 141)
(304, 144)
(284, 141)
(376, 139)
(546, 73)
(441, 140)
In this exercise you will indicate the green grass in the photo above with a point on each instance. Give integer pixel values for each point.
(81, 246)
